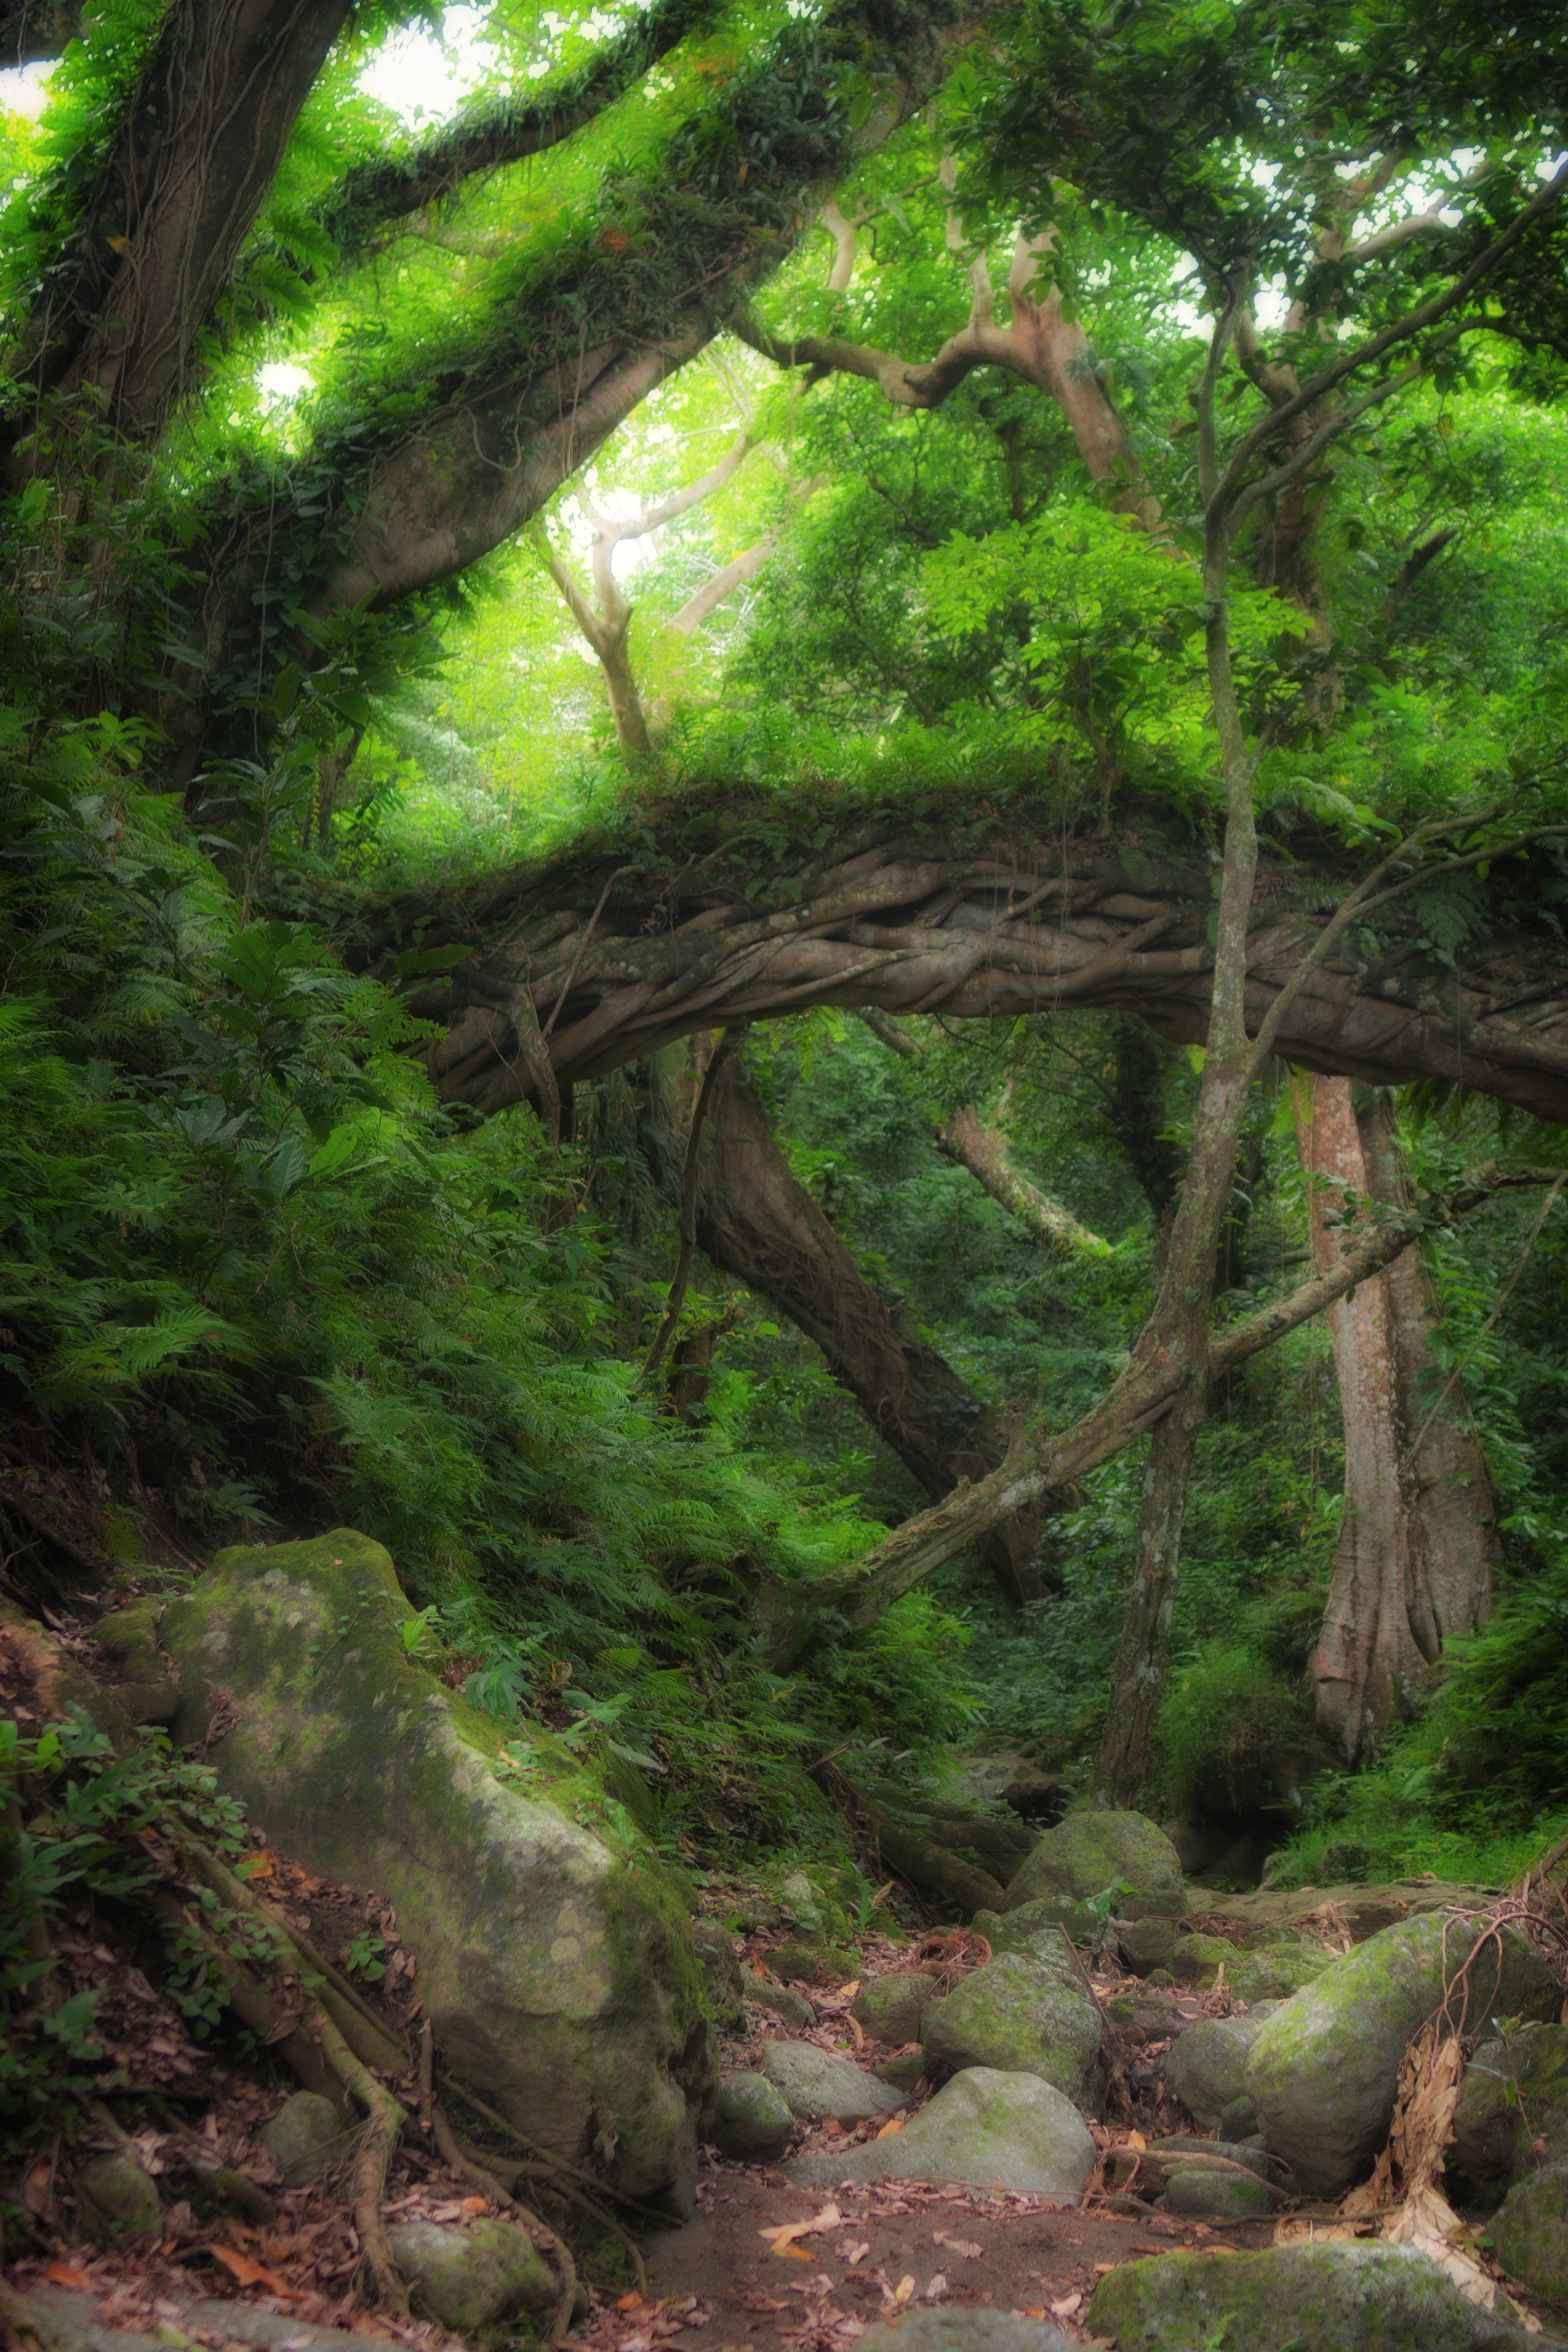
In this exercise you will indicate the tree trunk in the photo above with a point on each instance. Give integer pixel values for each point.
(757, 1223)
(983, 1151)
(1416, 1550)
(1138, 1681)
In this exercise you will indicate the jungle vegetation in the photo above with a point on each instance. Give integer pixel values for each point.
(783, 856)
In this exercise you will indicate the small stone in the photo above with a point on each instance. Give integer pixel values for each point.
(1162, 1977)
(720, 1974)
(466, 2278)
(813, 1963)
(304, 2135)
(753, 2120)
(1018, 2016)
(888, 2008)
(996, 2131)
(1146, 1944)
(1037, 1928)
(903, 2069)
(778, 1999)
(119, 2201)
(957, 2327)
(1529, 2235)
(1198, 1959)
(799, 1900)
(1239, 2120)
(814, 2082)
(1089, 1853)
(1235, 2196)
(1515, 2095)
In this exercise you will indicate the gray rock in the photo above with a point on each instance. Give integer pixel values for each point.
(1036, 1927)
(1090, 1852)
(751, 2119)
(466, 2278)
(1257, 2159)
(1235, 2195)
(556, 1969)
(1529, 2236)
(1198, 1959)
(304, 2135)
(68, 2322)
(1276, 1973)
(1513, 2095)
(119, 2201)
(800, 1901)
(1008, 2130)
(903, 2069)
(1323, 2072)
(889, 2007)
(950, 2328)
(1018, 2016)
(778, 1999)
(1146, 1944)
(814, 2082)
(1339, 2298)
(1207, 2068)
(720, 1974)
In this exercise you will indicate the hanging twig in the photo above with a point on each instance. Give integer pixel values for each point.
(676, 1298)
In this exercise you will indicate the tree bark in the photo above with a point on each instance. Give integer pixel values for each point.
(182, 185)
(1414, 1563)
(983, 1151)
(1138, 1679)
(755, 1221)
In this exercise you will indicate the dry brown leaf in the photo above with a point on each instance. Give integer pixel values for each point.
(249, 2273)
(782, 2232)
(67, 2275)
(896, 2126)
(1067, 2306)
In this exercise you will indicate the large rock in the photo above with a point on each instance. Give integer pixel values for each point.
(1198, 1959)
(1275, 1973)
(1207, 2067)
(957, 2327)
(68, 2322)
(890, 2008)
(120, 2205)
(1515, 2095)
(555, 1957)
(720, 1974)
(1232, 2196)
(751, 2119)
(1090, 1852)
(1020, 2017)
(1005, 2131)
(1340, 2298)
(1323, 2070)
(1529, 2236)
(466, 2278)
(778, 1999)
(1147, 1944)
(813, 2082)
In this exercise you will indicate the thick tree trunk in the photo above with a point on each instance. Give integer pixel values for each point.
(180, 191)
(1416, 1551)
(757, 1223)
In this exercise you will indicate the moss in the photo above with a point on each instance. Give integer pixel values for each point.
(555, 1957)
(1529, 2236)
(1317, 2299)
(1019, 2017)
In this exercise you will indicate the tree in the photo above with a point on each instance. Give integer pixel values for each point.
(1417, 1554)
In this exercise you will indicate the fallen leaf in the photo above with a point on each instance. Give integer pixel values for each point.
(35, 2188)
(1137, 2140)
(795, 2253)
(965, 2248)
(758, 2301)
(66, 2274)
(936, 2289)
(1035, 2311)
(851, 1989)
(781, 2232)
(249, 2273)
(851, 2254)
(1067, 2306)
(632, 2302)
(889, 2129)
(475, 2205)
(1100, 2269)
(904, 2289)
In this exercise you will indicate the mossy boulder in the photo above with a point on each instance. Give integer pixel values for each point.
(135, 1668)
(120, 2205)
(1037, 1928)
(556, 1962)
(467, 2278)
(814, 2082)
(1323, 2070)
(813, 1963)
(1529, 2236)
(1090, 1852)
(1512, 2115)
(1230, 2196)
(1146, 1944)
(1198, 1959)
(1018, 2016)
(960, 2327)
(1276, 1972)
(1340, 2298)
(778, 1999)
(305, 2134)
(751, 2119)
(720, 1974)
(890, 2008)
(1207, 2068)
(996, 2131)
